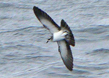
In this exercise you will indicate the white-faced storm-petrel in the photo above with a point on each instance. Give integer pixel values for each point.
(60, 34)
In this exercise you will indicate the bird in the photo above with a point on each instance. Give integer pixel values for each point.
(61, 34)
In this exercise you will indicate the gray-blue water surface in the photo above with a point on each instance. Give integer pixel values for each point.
(23, 49)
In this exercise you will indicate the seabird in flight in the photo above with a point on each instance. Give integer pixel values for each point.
(61, 34)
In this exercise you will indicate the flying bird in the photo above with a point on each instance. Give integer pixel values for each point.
(61, 34)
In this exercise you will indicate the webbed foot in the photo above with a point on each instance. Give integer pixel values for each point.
(49, 39)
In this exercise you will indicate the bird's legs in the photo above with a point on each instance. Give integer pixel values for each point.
(49, 39)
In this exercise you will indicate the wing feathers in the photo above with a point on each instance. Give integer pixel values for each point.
(66, 54)
(69, 37)
(46, 20)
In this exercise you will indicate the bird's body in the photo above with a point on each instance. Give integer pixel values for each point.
(62, 35)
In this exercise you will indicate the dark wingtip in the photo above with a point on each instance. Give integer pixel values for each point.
(63, 22)
(38, 12)
(34, 8)
(70, 69)
(73, 44)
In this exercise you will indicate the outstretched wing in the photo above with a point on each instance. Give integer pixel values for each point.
(66, 54)
(46, 20)
(70, 38)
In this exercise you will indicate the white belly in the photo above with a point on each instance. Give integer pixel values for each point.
(58, 36)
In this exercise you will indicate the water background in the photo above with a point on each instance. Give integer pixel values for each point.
(23, 49)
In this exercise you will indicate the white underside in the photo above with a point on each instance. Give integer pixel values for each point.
(57, 36)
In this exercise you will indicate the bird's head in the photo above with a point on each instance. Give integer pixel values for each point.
(65, 33)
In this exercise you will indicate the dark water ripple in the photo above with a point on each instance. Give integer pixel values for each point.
(101, 52)
(3, 5)
(95, 30)
(93, 34)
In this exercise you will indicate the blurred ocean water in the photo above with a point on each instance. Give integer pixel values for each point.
(23, 49)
